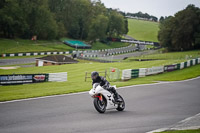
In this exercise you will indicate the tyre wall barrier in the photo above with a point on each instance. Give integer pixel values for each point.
(169, 68)
(34, 54)
(155, 70)
(182, 65)
(126, 74)
(134, 73)
(93, 53)
(142, 72)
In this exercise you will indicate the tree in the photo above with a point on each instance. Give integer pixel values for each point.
(116, 24)
(143, 15)
(181, 32)
(98, 28)
(51, 19)
(25, 18)
(161, 19)
(164, 35)
(126, 26)
(41, 21)
(10, 20)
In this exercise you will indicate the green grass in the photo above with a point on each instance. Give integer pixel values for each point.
(183, 131)
(99, 45)
(21, 45)
(149, 46)
(143, 30)
(76, 73)
(171, 55)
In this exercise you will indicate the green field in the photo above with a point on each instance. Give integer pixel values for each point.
(99, 45)
(76, 75)
(183, 131)
(20, 45)
(170, 56)
(143, 30)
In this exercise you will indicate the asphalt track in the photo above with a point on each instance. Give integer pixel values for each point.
(133, 54)
(16, 61)
(148, 107)
(4, 62)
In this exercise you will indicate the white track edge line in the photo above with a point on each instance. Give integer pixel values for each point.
(180, 122)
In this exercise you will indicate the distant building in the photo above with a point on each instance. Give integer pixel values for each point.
(54, 60)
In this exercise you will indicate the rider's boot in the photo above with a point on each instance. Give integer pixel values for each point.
(117, 98)
(116, 95)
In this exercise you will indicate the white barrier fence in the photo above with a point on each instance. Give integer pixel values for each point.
(182, 65)
(188, 63)
(126, 74)
(58, 77)
(142, 72)
(155, 70)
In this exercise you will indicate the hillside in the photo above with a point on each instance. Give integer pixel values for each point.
(138, 29)
(143, 30)
(22, 46)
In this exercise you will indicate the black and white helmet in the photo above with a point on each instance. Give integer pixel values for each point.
(94, 75)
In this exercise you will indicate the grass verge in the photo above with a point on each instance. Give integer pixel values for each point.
(99, 45)
(171, 55)
(76, 73)
(183, 131)
(21, 45)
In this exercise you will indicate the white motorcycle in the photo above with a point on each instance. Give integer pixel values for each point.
(104, 100)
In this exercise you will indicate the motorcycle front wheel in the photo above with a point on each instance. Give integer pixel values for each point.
(99, 105)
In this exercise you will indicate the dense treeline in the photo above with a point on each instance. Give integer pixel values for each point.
(52, 19)
(181, 32)
(143, 16)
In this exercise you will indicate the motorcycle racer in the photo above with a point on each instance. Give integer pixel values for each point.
(105, 84)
